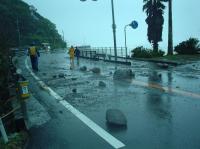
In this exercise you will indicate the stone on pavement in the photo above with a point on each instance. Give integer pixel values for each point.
(163, 65)
(61, 75)
(122, 74)
(74, 90)
(116, 117)
(102, 84)
(84, 68)
(54, 76)
(74, 79)
(96, 70)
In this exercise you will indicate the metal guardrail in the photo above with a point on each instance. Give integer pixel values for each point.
(2, 128)
(93, 55)
(23, 52)
(10, 112)
(22, 84)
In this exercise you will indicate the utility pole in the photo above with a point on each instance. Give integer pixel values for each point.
(19, 35)
(114, 30)
(113, 27)
(170, 30)
(63, 35)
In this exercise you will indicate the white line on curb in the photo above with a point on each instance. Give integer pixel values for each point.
(96, 128)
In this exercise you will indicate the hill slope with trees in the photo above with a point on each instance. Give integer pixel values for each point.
(21, 24)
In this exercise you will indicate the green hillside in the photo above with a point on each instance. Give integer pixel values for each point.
(20, 25)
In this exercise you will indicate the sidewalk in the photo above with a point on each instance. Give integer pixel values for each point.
(37, 115)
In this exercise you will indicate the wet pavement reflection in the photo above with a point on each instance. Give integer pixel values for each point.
(157, 116)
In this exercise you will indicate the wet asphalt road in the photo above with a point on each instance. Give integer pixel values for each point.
(156, 118)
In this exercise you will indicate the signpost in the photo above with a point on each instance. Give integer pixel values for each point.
(134, 25)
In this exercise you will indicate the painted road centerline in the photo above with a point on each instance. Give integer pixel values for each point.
(96, 128)
(166, 89)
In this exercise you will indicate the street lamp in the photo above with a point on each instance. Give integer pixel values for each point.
(134, 25)
(113, 27)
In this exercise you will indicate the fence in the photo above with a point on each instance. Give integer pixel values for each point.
(121, 51)
(106, 54)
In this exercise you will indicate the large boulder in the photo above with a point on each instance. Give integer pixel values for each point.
(123, 74)
(96, 70)
(115, 117)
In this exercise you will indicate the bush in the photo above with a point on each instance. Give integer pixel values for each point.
(190, 46)
(141, 52)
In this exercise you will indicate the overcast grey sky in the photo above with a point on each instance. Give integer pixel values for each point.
(89, 23)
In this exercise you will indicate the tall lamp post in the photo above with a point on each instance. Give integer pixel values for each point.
(134, 25)
(113, 27)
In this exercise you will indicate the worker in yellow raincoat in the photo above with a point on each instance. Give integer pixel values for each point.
(34, 54)
(71, 53)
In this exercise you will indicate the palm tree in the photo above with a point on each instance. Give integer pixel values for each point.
(155, 20)
(170, 32)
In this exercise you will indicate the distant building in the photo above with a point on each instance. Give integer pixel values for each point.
(46, 46)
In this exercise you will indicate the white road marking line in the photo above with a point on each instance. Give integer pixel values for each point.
(96, 128)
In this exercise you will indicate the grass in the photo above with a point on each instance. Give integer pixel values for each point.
(16, 141)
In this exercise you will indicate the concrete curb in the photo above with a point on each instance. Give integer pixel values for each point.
(159, 61)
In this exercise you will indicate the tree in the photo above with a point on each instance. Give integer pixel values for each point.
(190, 46)
(155, 20)
(170, 30)
(17, 19)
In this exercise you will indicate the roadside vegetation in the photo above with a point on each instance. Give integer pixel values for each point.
(17, 141)
(188, 47)
(20, 26)
(141, 52)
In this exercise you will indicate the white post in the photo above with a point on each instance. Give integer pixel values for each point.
(125, 40)
(3, 132)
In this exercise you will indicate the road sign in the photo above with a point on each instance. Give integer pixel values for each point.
(134, 24)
